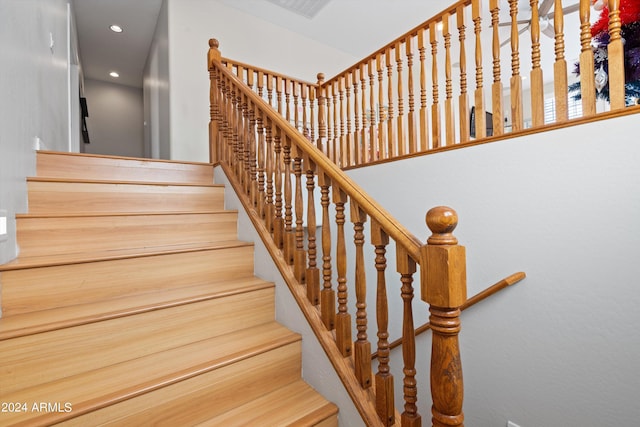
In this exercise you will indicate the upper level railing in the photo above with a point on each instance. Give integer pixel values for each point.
(271, 163)
(478, 69)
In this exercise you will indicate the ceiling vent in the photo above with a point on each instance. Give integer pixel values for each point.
(307, 8)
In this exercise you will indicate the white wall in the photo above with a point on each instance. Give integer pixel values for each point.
(560, 348)
(316, 368)
(243, 38)
(115, 121)
(34, 103)
(156, 91)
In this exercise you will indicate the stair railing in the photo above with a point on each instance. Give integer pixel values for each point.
(427, 90)
(269, 163)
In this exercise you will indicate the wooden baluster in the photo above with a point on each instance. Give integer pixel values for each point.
(239, 71)
(269, 207)
(336, 128)
(343, 318)
(424, 128)
(391, 132)
(443, 278)
(384, 114)
(411, 124)
(246, 175)
(407, 267)
(400, 118)
(363, 147)
(330, 142)
(223, 119)
(343, 136)
(213, 56)
(481, 121)
(517, 120)
(463, 99)
(496, 87)
(322, 114)
(296, 113)
(357, 127)
(537, 82)
(229, 125)
(269, 89)
(616, 58)
(328, 294)
(288, 239)
(279, 97)
(261, 166)
(260, 84)
(236, 136)
(349, 140)
(373, 141)
(435, 107)
(309, 91)
(312, 274)
(587, 71)
(449, 119)
(560, 66)
(287, 96)
(253, 162)
(362, 346)
(385, 405)
(278, 220)
(299, 255)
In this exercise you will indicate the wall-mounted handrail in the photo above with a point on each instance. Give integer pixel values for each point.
(480, 296)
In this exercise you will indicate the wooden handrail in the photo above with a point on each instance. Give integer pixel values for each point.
(402, 100)
(395, 230)
(265, 158)
(496, 287)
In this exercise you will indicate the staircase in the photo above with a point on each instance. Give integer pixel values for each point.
(133, 303)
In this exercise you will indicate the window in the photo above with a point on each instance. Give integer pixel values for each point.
(574, 106)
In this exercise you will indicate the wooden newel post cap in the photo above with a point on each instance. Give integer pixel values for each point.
(214, 53)
(443, 265)
(320, 77)
(442, 220)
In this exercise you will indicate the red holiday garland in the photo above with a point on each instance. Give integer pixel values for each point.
(629, 12)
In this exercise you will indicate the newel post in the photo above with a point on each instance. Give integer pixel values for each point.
(444, 287)
(214, 108)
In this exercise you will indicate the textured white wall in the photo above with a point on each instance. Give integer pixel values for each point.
(156, 91)
(34, 97)
(560, 348)
(242, 37)
(115, 121)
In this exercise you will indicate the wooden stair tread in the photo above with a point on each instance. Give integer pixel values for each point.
(111, 384)
(120, 182)
(65, 317)
(116, 214)
(125, 158)
(84, 257)
(296, 404)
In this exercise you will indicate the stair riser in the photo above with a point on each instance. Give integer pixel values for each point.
(199, 398)
(66, 352)
(58, 165)
(58, 286)
(97, 233)
(87, 197)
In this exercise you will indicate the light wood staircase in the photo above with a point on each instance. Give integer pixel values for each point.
(133, 303)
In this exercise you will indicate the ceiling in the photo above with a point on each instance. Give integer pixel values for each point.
(379, 21)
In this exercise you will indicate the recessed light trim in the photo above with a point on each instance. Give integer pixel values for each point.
(116, 28)
(114, 74)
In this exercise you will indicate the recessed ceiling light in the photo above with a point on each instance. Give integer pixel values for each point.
(116, 28)
(114, 74)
